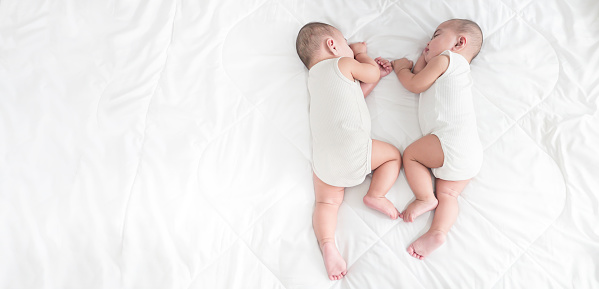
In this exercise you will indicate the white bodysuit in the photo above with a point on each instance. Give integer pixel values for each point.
(446, 110)
(340, 124)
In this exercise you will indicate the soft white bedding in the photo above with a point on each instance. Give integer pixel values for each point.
(166, 144)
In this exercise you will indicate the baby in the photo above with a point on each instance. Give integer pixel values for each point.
(450, 145)
(340, 76)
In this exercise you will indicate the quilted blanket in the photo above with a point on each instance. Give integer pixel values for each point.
(166, 144)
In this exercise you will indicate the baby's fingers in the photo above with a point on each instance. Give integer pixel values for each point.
(382, 61)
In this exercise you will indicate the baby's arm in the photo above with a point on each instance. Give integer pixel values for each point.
(384, 67)
(422, 80)
(362, 68)
(366, 70)
(420, 64)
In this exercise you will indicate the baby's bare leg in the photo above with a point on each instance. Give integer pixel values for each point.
(445, 216)
(328, 199)
(421, 155)
(386, 163)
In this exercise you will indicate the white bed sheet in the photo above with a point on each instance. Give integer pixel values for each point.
(166, 144)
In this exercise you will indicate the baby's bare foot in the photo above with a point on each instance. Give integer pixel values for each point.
(426, 244)
(417, 208)
(382, 205)
(333, 261)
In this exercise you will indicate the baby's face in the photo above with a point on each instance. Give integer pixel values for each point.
(444, 38)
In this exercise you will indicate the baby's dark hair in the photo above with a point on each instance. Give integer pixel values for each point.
(309, 39)
(472, 29)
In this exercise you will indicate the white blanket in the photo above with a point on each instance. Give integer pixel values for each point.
(166, 144)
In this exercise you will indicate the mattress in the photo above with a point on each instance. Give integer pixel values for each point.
(166, 144)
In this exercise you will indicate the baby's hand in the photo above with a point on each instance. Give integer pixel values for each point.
(384, 66)
(359, 47)
(399, 64)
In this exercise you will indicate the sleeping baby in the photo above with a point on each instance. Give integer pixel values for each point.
(450, 145)
(343, 153)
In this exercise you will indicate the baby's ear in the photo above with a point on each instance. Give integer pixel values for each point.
(331, 45)
(461, 43)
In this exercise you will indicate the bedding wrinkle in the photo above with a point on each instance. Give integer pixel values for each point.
(305, 154)
(424, 31)
(243, 92)
(384, 9)
(141, 151)
(240, 239)
(291, 14)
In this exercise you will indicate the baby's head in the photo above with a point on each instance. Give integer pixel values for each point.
(457, 35)
(319, 41)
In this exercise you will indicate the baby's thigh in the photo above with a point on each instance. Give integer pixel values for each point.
(325, 193)
(451, 188)
(427, 150)
(383, 152)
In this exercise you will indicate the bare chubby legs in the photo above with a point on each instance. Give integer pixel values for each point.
(418, 157)
(324, 221)
(386, 163)
(421, 155)
(445, 215)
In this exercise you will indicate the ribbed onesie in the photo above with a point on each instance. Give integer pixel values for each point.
(446, 110)
(340, 124)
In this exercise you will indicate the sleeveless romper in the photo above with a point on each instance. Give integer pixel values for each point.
(340, 125)
(447, 111)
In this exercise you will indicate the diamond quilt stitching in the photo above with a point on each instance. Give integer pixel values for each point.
(397, 3)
